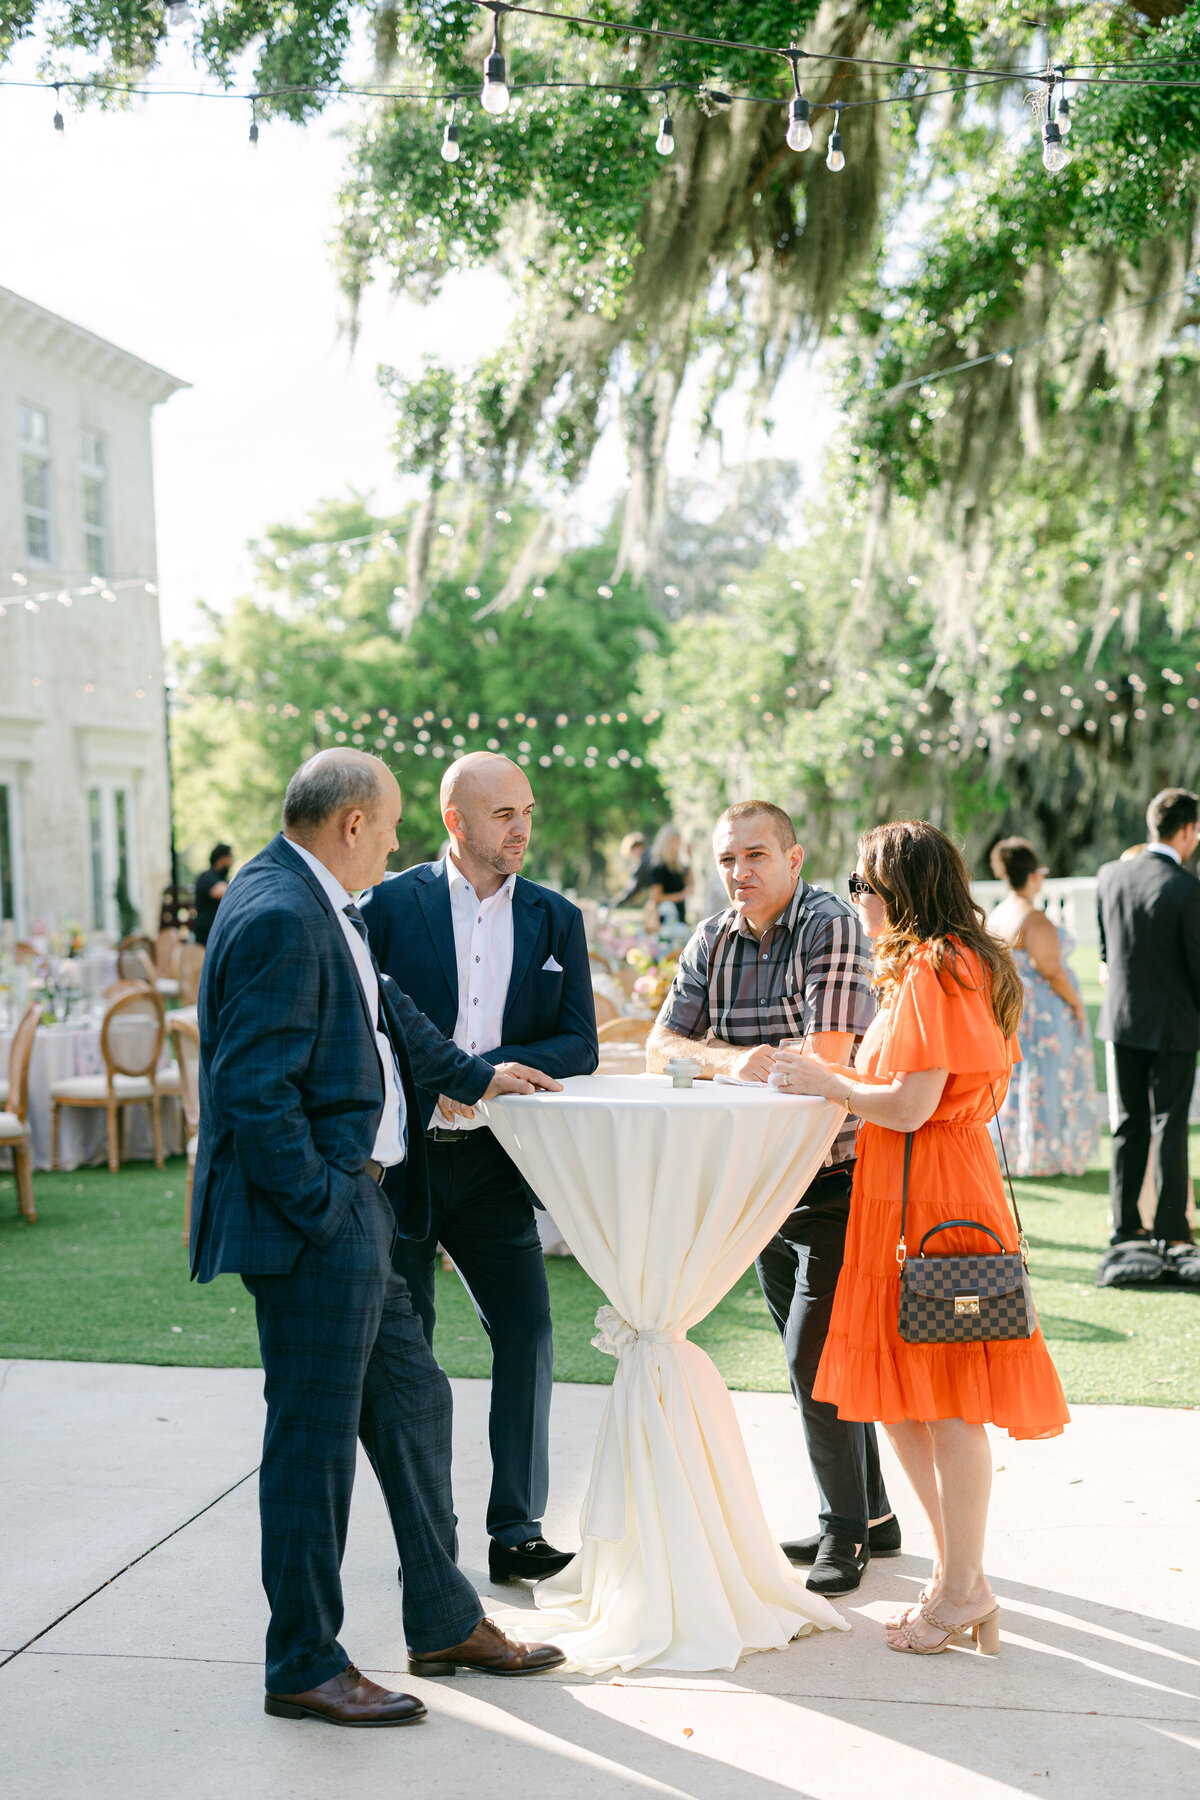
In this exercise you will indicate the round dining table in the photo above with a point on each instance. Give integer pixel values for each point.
(70, 1048)
(665, 1196)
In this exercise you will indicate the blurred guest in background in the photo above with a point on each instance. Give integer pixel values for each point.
(1149, 918)
(669, 878)
(1049, 1118)
(209, 890)
(637, 855)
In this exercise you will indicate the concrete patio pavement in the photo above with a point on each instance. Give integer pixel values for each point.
(130, 1598)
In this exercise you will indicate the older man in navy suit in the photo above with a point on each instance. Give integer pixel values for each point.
(501, 965)
(306, 1171)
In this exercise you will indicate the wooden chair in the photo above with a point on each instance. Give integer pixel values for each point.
(131, 1041)
(166, 954)
(135, 959)
(14, 1119)
(625, 1031)
(191, 961)
(606, 1009)
(185, 1040)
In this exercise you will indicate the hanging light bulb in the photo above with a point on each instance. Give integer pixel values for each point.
(835, 156)
(664, 143)
(59, 124)
(1062, 112)
(1055, 155)
(254, 122)
(1005, 359)
(799, 130)
(450, 145)
(495, 95)
(179, 15)
(799, 126)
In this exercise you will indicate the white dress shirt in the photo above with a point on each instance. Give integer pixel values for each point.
(483, 950)
(389, 1139)
(1166, 850)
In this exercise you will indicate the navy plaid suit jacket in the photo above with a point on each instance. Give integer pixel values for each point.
(291, 1091)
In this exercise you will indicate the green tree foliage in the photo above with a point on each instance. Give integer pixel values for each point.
(314, 658)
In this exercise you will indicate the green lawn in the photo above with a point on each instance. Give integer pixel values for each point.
(102, 1277)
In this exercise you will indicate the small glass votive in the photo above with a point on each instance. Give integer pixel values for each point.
(683, 1070)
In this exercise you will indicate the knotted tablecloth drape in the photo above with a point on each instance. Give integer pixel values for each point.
(665, 1196)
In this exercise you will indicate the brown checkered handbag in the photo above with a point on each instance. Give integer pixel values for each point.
(963, 1299)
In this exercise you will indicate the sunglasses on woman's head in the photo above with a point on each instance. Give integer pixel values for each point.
(858, 887)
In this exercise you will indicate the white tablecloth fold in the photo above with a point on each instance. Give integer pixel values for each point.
(665, 1196)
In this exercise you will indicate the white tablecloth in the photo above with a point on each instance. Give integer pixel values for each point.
(666, 1196)
(60, 1051)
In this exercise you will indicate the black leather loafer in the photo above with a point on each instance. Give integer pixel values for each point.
(883, 1540)
(839, 1567)
(531, 1561)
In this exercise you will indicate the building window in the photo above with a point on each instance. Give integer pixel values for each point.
(8, 885)
(95, 503)
(33, 428)
(111, 838)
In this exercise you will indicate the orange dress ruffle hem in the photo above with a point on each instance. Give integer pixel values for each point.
(867, 1370)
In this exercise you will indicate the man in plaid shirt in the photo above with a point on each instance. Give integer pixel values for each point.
(790, 961)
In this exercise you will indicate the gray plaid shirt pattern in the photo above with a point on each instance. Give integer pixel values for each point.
(809, 973)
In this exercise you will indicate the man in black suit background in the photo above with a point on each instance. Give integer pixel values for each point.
(305, 1171)
(501, 965)
(1149, 918)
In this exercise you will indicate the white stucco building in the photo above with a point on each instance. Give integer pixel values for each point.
(83, 772)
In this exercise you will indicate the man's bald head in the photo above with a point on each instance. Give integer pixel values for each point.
(331, 782)
(478, 774)
(344, 807)
(487, 809)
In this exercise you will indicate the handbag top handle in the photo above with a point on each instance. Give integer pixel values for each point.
(1022, 1241)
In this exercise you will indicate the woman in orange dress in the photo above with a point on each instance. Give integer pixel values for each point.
(936, 1061)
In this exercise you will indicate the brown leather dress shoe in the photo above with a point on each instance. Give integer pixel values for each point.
(347, 1699)
(490, 1650)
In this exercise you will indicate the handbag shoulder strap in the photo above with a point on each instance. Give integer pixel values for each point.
(1022, 1241)
(901, 1248)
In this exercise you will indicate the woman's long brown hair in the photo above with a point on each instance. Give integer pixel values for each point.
(922, 880)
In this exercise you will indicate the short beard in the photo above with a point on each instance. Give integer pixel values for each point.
(497, 860)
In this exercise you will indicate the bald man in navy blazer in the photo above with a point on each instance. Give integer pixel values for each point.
(500, 965)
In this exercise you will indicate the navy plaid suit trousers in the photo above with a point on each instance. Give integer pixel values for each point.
(345, 1358)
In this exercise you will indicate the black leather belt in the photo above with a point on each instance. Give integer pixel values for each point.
(437, 1134)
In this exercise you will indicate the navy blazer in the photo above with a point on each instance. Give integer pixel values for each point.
(291, 1091)
(549, 1013)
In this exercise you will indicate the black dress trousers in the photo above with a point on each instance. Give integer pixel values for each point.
(484, 1220)
(798, 1274)
(1154, 1094)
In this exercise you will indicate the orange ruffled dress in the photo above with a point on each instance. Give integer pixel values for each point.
(867, 1370)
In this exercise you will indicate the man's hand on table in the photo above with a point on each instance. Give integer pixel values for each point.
(754, 1065)
(510, 1078)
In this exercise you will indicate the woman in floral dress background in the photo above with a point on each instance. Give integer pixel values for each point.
(1049, 1119)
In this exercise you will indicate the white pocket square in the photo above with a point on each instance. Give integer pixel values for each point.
(550, 967)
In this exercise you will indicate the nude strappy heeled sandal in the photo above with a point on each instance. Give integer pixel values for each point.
(984, 1632)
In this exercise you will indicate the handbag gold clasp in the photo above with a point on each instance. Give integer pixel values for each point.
(901, 1253)
(1023, 1246)
(966, 1306)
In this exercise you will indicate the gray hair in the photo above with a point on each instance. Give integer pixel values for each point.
(328, 783)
